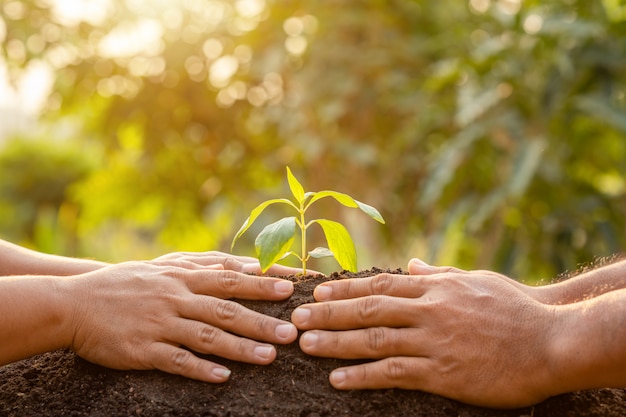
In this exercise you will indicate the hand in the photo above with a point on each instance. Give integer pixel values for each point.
(543, 294)
(137, 315)
(466, 336)
(243, 264)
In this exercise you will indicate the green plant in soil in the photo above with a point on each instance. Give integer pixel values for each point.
(275, 240)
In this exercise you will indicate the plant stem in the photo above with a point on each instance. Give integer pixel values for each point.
(303, 235)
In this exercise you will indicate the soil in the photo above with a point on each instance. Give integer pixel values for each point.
(62, 384)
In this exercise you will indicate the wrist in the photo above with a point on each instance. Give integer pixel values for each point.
(35, 317)
(588, 348)
(71, 298)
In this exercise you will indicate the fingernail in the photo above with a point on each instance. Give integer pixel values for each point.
(284, 331)
(308, 340)
(263, 352)
(301, 315)
(337, 378)
(323, 292)
(220, 373)
(283, 287)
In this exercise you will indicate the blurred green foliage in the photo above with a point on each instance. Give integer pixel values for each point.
(490, 133)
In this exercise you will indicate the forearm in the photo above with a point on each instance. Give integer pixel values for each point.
(33, 317)
(16, 260)
(584, 286)
(590, 343)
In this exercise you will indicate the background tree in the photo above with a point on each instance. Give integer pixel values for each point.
(490, 133)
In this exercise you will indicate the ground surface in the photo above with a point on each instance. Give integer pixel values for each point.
(61, 384)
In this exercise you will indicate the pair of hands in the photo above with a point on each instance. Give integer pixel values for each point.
(478, 337)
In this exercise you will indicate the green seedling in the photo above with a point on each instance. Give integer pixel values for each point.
(275, 240)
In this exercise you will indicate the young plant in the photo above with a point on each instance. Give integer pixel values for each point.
(275, 240)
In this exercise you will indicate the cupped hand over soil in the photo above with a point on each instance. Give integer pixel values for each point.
(295, 384)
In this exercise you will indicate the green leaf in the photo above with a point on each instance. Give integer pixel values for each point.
(321, 253)
(296, 188)
(371, 211)
(344, 199)
(348, 201)
(274, 241)
(340, 243)
(255, 213)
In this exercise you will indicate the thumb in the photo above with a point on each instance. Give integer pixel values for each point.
(419, 267)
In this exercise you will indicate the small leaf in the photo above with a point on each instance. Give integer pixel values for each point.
(340, 243)
(371, 211)
(348, 201)
(296, 188)
(274, 241)
(344, 199)
(321, 253)
(255, 213)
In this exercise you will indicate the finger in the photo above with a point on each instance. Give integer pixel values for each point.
(255, 268)
(244, 264)
(382, 284)
(186, 264)
(207, 339)
(231, 284)
(235, 318)
(419, 267)
(396, 372)
(174, 360)
(370, 343)
(371, 311)
(234, 263)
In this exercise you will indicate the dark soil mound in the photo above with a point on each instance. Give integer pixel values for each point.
(61, 384)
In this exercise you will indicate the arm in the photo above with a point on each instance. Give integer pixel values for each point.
(136, 315)
(16, 260)
(581, 287)
(587, 285)
(465, 336)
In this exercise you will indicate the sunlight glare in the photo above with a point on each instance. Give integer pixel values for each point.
(132, 38)
(250, 8)
(73, 12)
(212, 48)
(510, 7)
(533, 24)
(296, 45)
(222, 70)
(479, 6)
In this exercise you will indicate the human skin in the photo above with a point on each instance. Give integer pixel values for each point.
(17, 260)
(584, 286)
(477, 337)
(137, 315)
